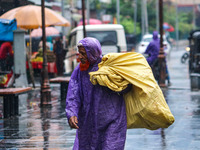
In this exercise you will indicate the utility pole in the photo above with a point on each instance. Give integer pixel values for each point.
(177, 27)
(146, 17)
(83, 16)
(63, 28)
(45, 88)
(62, 9)
(118, 12)
(135, 17)
(88, 11)
(142, 16)
(194, 15)
(157, 16)
(161, 56)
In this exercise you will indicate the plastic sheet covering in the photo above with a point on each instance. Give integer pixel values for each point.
(7, 27)
(145, 104)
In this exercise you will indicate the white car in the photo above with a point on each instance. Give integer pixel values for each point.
(111, 36)
(147, 39)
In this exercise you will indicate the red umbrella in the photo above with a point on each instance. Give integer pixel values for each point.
(49, 31)
(91, 21)
(168, 27)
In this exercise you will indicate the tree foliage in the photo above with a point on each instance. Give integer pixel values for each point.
(127, 16)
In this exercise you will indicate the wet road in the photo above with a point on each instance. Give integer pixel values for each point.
(47, 128)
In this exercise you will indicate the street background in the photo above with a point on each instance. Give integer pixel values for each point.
(47, 128)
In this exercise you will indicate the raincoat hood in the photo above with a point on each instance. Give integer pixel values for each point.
(93, 49)
(155, 35)
(153, 48)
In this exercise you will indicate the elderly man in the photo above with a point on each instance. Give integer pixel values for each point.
(97, 112)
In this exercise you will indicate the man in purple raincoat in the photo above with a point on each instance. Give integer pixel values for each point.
(153, 49)
(98, 114)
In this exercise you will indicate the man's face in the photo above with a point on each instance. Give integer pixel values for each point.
(82, 54)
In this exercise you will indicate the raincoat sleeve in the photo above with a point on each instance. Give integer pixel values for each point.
(73, 97)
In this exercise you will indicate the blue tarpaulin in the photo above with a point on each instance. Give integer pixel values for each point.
(6, 29)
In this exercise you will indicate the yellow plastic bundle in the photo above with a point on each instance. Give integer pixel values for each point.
(145, 104)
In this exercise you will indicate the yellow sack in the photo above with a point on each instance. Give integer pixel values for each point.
(145, 104)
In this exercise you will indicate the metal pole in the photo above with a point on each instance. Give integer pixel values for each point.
(88, 11)
(45, 88)
(135, 16)
(62, 7)
(118, 12)
(194, 15)
(142, 16)
(63, 28)
(71, 14)
(146, 17)
(161, 56)
(177, 28)
(83, 16)
(161, 24)
(157, 16)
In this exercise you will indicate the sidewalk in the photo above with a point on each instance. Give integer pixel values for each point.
(37, 128)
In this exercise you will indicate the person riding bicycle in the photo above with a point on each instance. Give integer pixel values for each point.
(152, 51)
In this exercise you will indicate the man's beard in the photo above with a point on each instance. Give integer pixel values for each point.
(85, 66)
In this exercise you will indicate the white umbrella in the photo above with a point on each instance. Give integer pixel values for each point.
(48, 30)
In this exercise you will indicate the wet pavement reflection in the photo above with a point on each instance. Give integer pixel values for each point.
(38, 128)
(182, 135)
(47, 128)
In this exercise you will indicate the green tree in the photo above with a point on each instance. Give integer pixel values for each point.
(127, 16)
(128, 24)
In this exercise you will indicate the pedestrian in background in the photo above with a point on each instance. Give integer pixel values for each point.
(152, 51)
(98, 113)
(6, 56)
(58, 51)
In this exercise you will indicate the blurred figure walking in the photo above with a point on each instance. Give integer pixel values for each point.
(58, 51)
(153, 49)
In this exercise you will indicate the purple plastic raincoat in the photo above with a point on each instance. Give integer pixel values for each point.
(101, 112)
(153, 48)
